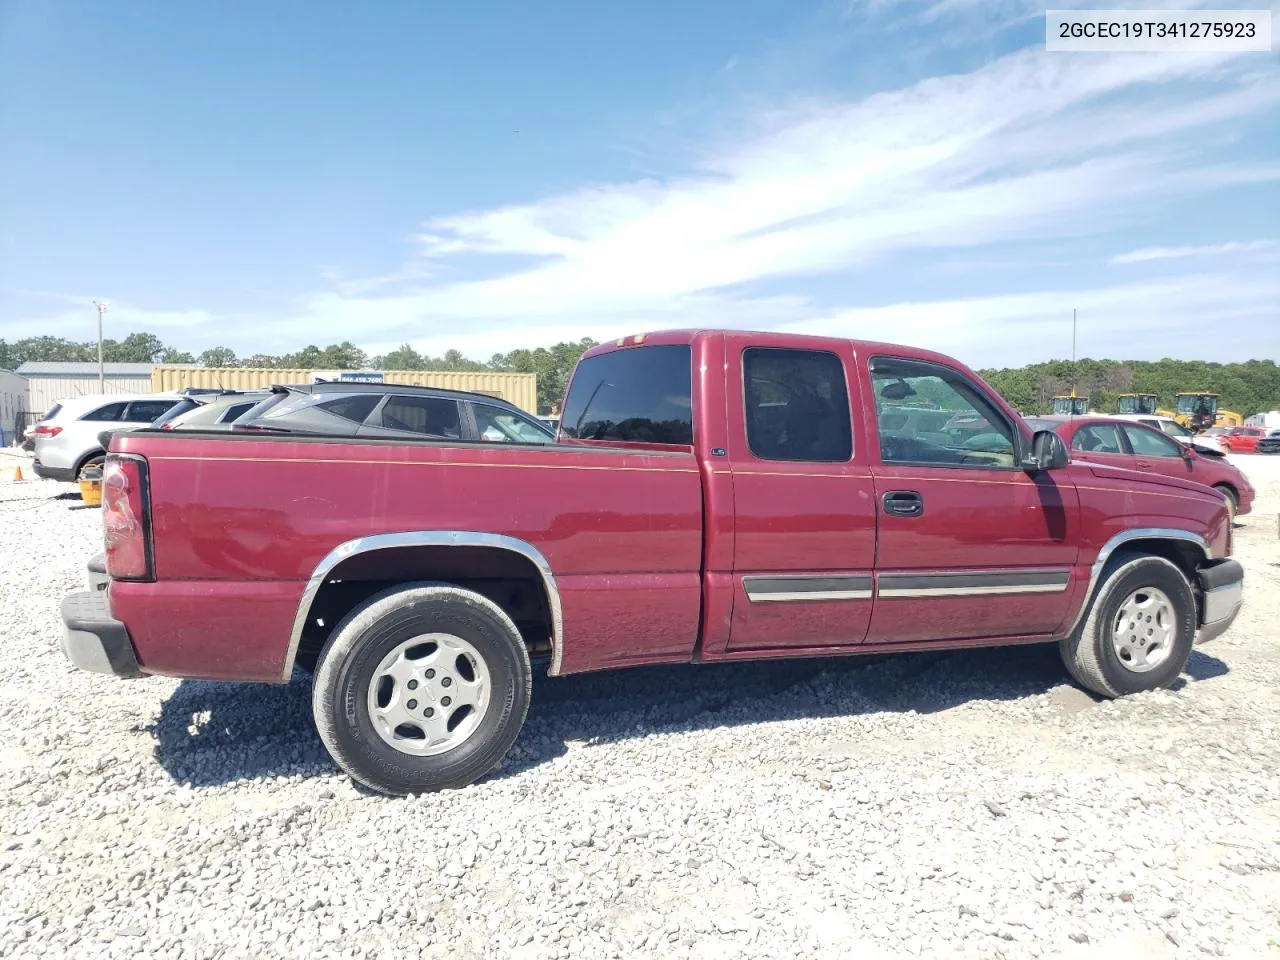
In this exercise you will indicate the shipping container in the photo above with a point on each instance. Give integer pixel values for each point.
(518, 388)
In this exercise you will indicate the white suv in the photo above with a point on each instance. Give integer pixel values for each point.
(1175, 430)
(67, 439)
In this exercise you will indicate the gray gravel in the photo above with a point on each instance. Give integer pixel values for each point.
(969, 804)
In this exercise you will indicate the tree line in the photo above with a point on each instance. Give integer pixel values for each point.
(552, 365)
(1246, 388)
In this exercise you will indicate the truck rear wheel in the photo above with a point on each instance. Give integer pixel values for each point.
(1139, 630)
(423, 687)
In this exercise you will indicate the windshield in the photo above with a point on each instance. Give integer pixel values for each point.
(1173, 428)
(1138, 403)
(1197, 403)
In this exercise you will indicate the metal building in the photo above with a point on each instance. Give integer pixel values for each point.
(13, 407)
(50, 381)
(518, 388)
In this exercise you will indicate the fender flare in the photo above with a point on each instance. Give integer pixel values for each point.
(428, 538)
(1118, 541)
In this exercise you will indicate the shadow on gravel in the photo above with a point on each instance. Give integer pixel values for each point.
(216, 733)
(1201, 666)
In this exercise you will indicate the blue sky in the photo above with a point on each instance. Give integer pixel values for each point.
(497, 174)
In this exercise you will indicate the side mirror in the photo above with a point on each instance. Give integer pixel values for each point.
(1188, 454)
(1048, 452)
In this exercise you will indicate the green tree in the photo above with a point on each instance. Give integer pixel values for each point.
(404, 357)
(218, 357)
(552, 367)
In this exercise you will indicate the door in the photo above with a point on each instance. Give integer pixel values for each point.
(970, 545)
(804, 535)
(1154, 452)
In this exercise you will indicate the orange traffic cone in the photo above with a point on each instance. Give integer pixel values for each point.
(17, 475)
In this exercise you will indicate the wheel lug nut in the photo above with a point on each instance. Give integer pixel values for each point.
(445, 682)
(430, 674)
(412, 704)
(445, 701)
(430, 711)
(413, 684)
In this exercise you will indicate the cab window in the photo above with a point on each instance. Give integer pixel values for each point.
(797, 406)
(638, 395)
(932, 415)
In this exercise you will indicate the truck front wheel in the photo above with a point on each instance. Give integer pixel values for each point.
(1139, 631)
(423, 687)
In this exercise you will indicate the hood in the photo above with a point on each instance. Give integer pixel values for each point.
(1143, 478)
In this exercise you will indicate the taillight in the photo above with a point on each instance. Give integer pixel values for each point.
(126, 517)
(46, 431)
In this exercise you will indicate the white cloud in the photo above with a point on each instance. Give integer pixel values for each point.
(1032, 147)
(1146, 320)
(1146, 254)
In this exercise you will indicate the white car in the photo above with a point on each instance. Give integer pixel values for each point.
(67, 439)
(1175, 430)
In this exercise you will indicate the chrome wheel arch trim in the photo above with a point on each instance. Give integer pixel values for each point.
(1118, 541)
(427, 538)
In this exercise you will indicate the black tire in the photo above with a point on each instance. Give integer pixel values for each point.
(1090, 654)
(1233, 502)
(350, 658)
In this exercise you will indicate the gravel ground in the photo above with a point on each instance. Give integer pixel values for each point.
(969, 804)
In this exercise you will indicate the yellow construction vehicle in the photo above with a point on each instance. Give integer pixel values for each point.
(1070, 406)
(1197, 411)
(1137, 403)
(1228, 418)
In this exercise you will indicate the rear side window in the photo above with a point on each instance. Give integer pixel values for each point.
(1098, 438)
(112, 411)
(355, 408)
(432, 416)
(145, 411)
(640, 394)
(235, 410)
(797, 406)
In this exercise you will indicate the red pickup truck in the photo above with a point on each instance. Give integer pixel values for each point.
(713, 495)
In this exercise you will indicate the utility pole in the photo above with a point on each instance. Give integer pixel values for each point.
(1073, 353)
(103, 307)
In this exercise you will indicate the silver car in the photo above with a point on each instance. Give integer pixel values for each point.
(67, 441)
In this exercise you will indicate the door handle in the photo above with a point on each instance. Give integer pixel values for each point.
(1144, 463)
(903, 503)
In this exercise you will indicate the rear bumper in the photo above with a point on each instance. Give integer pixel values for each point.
(1222, 587)
(97, 573)
(62, 474)
(93, 640)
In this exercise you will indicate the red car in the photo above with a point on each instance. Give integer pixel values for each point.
(1125, 443)
(711, 496)
(1244, 439)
